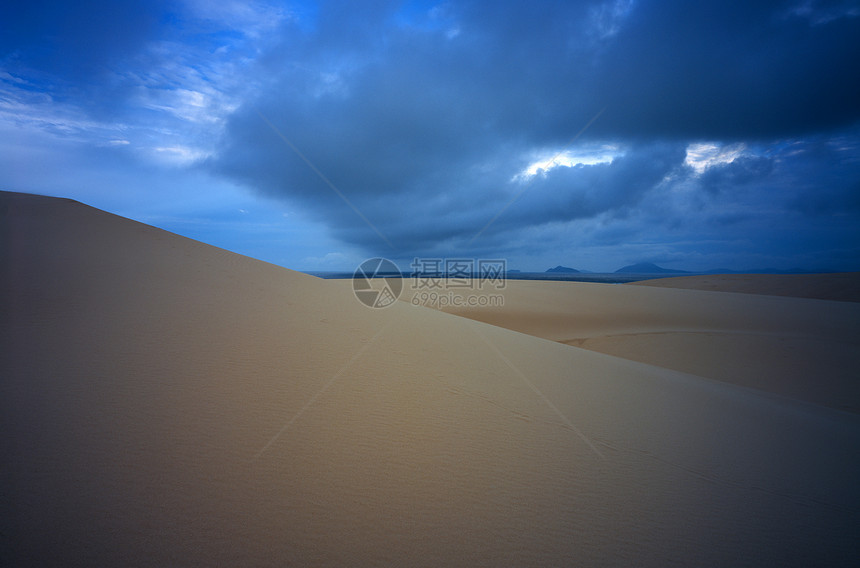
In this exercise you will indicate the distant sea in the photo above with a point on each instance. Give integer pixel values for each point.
(604, 278)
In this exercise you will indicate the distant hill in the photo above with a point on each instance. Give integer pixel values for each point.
(561, 268)
(648, 268)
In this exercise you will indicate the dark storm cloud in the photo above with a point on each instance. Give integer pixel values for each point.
(583, 191)
(740, 172)
(802, 179)
(749, 70)
(425, 116)
(401, 118)
(825, 178)
(424, 122)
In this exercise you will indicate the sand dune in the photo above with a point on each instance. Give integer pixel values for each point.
(165, 402)
(841, 286)
(800, 348)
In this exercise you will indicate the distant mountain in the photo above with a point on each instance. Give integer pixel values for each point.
(561, 268)
(648, 268)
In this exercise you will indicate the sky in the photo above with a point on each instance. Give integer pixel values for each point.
(591, 134)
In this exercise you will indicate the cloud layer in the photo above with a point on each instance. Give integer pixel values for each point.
(695, 134)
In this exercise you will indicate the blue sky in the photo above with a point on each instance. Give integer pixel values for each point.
(593, 134)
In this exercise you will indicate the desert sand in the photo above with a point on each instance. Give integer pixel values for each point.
(840, 286)
(801, 348)
(165, 402)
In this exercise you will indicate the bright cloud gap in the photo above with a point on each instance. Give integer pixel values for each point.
(545, 161)
(704, 155)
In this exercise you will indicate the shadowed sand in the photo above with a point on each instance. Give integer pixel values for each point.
(164, 402)
(841, 286)
(805, 349)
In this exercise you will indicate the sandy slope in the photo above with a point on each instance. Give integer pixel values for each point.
(800, 348)
(164, 402)
(841, 286)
